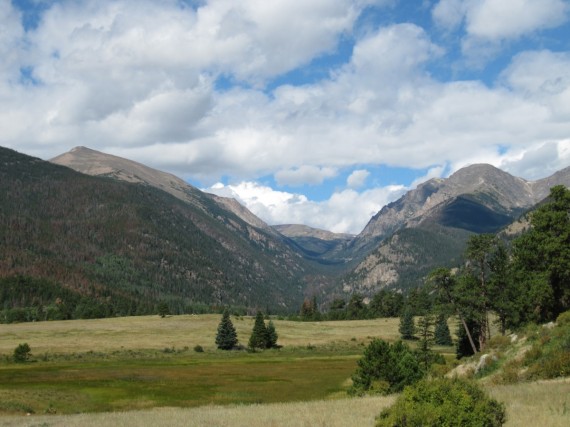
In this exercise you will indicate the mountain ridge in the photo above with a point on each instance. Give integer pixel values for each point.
(477, 199)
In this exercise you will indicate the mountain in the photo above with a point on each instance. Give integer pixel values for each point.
(429, 226)
(133, 243)
(96, 163)
(313, 242)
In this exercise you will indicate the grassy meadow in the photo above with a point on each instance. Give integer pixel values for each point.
(144, 371)
(134, 363)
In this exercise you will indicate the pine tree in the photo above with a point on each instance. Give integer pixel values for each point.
(258, 338)
(442, 336)
(407, 327)
(463, 347)
(271, 335)
(426, 333)
(226, 338)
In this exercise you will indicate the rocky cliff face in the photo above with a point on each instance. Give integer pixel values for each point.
(443, 213)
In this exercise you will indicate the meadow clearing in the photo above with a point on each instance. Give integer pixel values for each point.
(144, 371)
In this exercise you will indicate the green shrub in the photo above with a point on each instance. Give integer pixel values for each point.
(22, 353)
(563, 318)
(198, 349)
(443, 402)
(385, 368)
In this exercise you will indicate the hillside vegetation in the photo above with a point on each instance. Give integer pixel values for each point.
(125, 247)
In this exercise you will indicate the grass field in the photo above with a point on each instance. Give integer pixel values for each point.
(153, 332)
(146, 362)
(545, 403)
(143, 371)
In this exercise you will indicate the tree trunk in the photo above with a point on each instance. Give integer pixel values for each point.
(468, 332)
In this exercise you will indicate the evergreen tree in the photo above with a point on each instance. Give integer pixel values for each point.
(163, 309)
(447, 287)
(259, 336)
(226, 338)
(463, 347)
(407, 327)
(271, 335)
(308, 309)
(425, 325)
(479, 252)
(442, 335)
(542, 259)
(356, 309)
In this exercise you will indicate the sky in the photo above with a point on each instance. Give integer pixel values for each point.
(315, 112)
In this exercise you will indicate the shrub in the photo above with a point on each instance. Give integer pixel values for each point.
(563, 318)
(198, 349)
(443, 402)
(385, 368)
(22, 353)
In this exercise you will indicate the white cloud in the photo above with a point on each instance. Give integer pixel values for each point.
(11, 44)
(357, 178)
(305, 174)
(508, 19)
(346, 211)
(139, 79)
(449, 14)
(532, 162)
(493, 20)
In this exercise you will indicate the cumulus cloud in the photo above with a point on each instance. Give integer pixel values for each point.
(185, 89)
(489, 24)
(346, 211)
(357, 178)
(500, 20)
(508, 19)
(305, 174)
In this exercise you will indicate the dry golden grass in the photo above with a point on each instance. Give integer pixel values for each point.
(334, 413)
(153, 332)
(541, 403)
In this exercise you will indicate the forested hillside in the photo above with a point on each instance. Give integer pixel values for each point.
(128, 246)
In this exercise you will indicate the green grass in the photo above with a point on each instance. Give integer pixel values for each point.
(146, 362)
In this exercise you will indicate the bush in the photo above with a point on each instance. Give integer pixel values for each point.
(199, 349)
(22, 353)
(443, 402)
(385, 368)
(563, 319)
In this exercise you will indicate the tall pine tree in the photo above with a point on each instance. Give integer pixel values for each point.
(226, 338)
(271, 335)
(442, 335)
(407, 327)
(258, 338)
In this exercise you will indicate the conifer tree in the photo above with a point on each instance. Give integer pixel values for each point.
(407, 327)
(226, 338)
(426, 333)
(258, 338)
(271, 335)
(442, 335)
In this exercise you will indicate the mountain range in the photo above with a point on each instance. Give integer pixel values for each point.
(108, 227)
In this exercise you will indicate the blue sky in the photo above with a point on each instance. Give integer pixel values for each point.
(315, 112)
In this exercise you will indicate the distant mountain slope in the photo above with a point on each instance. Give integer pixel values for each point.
(475, 199)
(102, 236)
(313, 242)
